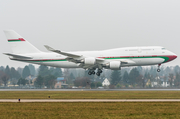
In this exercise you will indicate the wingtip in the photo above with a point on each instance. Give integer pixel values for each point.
(5, 53)
(48, 48)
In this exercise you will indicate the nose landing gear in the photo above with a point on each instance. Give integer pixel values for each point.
(158, 70)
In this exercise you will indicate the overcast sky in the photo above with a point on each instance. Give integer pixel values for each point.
(75, 25)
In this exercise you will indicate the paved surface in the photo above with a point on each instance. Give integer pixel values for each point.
(89, 89)
(90, 100)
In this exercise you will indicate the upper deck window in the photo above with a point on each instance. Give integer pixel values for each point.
(146, 49)
(133, 49)
(163, 48)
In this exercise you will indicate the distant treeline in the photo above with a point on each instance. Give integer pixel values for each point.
(137, 77)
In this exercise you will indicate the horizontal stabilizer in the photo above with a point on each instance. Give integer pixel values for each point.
(18, 56)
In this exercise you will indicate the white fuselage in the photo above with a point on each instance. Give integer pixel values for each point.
(135, 56)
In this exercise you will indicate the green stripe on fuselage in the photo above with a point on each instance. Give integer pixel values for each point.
(163, 57)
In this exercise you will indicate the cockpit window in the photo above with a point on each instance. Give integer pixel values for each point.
(163, 48)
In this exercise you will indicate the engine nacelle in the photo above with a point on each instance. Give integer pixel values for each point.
(90, 61)
(115, 65)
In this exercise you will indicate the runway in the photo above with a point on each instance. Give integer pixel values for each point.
(89, 89)
(90, 100)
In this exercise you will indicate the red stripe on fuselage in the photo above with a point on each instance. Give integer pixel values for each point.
(171, 57)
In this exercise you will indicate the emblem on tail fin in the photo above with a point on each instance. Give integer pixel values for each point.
(15, 40)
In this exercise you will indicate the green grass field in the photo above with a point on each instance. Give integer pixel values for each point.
(90, 94)
(90, 110)
(85, 110)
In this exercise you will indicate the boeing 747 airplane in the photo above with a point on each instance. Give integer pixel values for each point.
(94, 61)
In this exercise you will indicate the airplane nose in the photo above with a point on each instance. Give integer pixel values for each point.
(175, 56)
(172, 57)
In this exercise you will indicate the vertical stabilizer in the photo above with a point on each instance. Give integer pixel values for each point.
(18, 44)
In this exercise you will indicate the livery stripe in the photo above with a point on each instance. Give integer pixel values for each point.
(15, 40)
(135, 57)
(166, 58)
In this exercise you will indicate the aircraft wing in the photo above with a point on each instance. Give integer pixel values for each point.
(76, 58)
(61, 52)
(79, 59)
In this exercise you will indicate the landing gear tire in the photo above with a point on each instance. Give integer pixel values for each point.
(89, 73)
(93, 72)
(158, 70)
(98, 74)
(100, 71)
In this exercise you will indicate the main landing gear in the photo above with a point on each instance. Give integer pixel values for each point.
(158, 70)
(98, 73)
(91, 72)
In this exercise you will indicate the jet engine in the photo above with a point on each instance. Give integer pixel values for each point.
(115, 65)
(89, 61)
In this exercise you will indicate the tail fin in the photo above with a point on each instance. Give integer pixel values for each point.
(18, 44)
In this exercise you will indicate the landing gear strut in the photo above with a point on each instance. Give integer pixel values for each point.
(158, 70)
